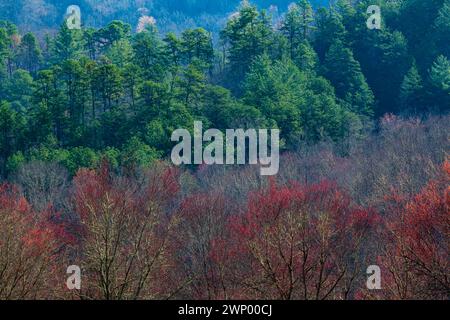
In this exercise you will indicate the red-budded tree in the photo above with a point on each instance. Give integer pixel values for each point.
(126, 234)
(204, 219)
(31, 244)
(415, 243)
(296, 242)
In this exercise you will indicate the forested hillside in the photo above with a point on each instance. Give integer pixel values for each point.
(86, 118)
(317, 75)
(175, 15)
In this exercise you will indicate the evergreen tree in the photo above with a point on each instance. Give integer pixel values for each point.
(306, 17)
(344, 72)
(18, 91)
(306, 58)
(248, 35)
(417, 22)
(48, 97)
(149, 55)
(442, 29)
(173, 51)
(112, 33)
(440, 73)
(28, 54)
(9, 39)
(192, 83)
(275, 89)
(120, 53)
(314, 74)
(291, 28)
(108, 83)
(197, 44)
(75, 86)
(439, 95)
(11, 130)
(411, 91)
(330, 29)
(384, 59)
(323, 117)
(223, 111)
(4, 46)
(302, 105)
(297, 25)
(67, 44)
(131, 74)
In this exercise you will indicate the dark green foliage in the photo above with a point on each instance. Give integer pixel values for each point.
(439, 92)
(28, 54)
(248, 34)
(411, 91)
(344, 72)
(11, 128)
(315, 73)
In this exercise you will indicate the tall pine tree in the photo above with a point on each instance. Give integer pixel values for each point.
(344, 72)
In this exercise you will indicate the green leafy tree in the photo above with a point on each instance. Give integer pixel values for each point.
(292, 29)
(4, 45)
(417, 21)
(131, 75)
(306, 17)
(138, 154)
(344, 72)
(173, 52)
(192, 83)
(11, 129)
(149, 55)
(439, 95)
(75, 85)
(40, 125)
(384, 57)
(80, 157)
(106, 37)
(330, 29)
(276, 90)
(108, 83)
(28, 54)
(9, 39)
(197, 44)
(114, 127)
(442, 28)
(306, 57)
(49, 97)
(315, 74)
(154, 95)
(90, 42)
(18, 91)
(223, 111)
(68, 44)
(411, 91)
(440, 74)
(120, 53)
(324, 117)
(14, 162)
(248, 34)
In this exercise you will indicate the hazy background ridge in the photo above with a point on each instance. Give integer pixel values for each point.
(172, 15)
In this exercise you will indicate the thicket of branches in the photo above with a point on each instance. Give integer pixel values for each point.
(227, 233)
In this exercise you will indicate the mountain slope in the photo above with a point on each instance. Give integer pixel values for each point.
(43, 15)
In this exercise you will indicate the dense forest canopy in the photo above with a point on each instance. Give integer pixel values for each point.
(83, 95)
